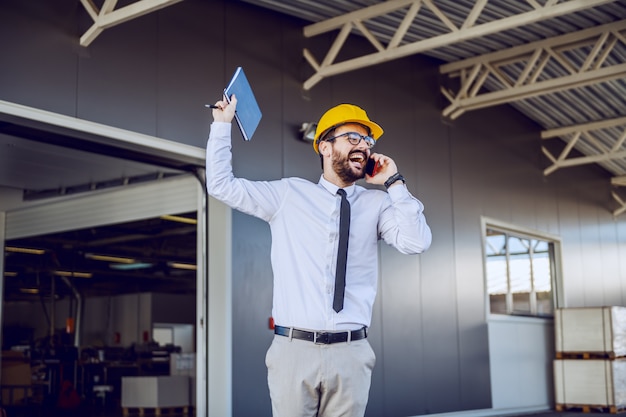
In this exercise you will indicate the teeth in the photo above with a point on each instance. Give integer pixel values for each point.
(357, 158)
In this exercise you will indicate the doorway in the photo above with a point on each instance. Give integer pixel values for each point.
(86, 280)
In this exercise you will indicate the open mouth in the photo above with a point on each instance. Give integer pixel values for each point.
(358, 159)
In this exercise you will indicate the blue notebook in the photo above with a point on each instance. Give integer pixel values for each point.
(248, 114)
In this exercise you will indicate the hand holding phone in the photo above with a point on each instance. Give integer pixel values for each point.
(372, 166)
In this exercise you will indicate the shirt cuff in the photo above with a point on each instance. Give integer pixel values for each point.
(219, 130)
(398, 192)
(220, 127)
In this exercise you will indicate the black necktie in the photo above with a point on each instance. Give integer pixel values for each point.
(342, 254)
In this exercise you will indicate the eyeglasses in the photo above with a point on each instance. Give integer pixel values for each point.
(355, 138)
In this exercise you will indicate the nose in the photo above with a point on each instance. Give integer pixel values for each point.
(362, 145)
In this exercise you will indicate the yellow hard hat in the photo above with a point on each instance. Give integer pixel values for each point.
(341, 114)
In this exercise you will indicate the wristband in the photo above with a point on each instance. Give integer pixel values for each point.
(395, 177)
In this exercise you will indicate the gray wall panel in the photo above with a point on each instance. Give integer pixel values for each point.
(39, 48)
(621, 254)
(376, 404)
(610, 259)
(570, 232)
(402, 360)
(588, 284)
(252, 307)
(546, 208)
(471, 186)
(593, 285)
(296, 107)
(258, 54)
(188, 77)
(108, 72)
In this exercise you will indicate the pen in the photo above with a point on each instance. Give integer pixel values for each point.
(212, 106)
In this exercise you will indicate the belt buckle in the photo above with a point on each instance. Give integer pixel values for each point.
(321, 338)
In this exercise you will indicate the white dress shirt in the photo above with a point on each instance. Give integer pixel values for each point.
(304, 222)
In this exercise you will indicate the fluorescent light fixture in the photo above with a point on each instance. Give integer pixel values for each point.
(308, 131)
(30, 290)
(30, 251)
(179, 219)
(108, 258)
(180, 265)
(130, 267)
(73, 274)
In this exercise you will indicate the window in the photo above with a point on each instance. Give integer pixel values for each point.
(520, 271)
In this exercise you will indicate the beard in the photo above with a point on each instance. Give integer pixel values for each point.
(345, 171)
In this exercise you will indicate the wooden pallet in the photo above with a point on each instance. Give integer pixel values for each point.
(588, 355)
(157, 411)
(590, 408)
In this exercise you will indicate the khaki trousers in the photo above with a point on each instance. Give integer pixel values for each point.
(310, 380)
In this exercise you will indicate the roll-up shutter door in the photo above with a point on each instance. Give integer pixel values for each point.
(134, 202)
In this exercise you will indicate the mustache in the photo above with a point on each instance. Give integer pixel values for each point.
(357, 152)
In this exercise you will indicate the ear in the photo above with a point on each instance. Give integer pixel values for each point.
(324, 148)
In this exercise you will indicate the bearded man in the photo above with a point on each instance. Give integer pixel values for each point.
(324, 257)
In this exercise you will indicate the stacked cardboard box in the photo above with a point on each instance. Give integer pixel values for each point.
(590, 364)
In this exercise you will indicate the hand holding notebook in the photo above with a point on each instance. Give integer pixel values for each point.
(247, 113)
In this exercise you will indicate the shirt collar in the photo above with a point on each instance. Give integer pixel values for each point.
(332, 188)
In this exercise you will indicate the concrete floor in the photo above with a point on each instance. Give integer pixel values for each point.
(118, 412)
(550, 413)
(93, 412)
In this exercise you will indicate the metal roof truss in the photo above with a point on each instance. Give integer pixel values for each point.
(599, 143)
(563, 62)
(363, 21)
(107, 16)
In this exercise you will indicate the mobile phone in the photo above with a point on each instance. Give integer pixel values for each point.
(371, 168)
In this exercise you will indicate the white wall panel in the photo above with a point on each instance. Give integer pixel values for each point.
(520, 353)
(215, 339)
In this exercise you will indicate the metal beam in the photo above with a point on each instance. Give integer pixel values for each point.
(580, 137)
(602, 124)
(618, 182)
(622, 207)
(107, 16)
(537, 68)
(353, 22)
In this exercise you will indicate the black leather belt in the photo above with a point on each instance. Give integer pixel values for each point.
(322, 338)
